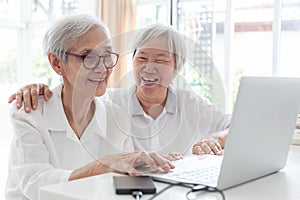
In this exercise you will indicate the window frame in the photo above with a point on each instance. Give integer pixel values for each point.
(228, 33)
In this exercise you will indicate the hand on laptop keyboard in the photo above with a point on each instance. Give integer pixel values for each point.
(173, 156)
(207, 145)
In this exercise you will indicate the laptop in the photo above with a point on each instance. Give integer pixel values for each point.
(258, 140)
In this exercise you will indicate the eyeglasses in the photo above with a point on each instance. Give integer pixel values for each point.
(91, 61)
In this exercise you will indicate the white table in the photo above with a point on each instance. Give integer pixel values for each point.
(284, 185)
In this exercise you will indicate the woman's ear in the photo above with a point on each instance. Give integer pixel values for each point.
(55, 63)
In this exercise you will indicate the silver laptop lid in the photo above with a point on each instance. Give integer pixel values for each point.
(261, 129)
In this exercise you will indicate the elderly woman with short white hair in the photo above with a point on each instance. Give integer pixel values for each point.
(66, 138)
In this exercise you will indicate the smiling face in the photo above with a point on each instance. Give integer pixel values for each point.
(75, 76)
(154, 68)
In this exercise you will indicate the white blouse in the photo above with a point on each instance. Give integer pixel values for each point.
(185, 119)
(45, 150)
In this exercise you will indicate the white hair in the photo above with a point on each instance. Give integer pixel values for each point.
(58, 39)
(175, 41)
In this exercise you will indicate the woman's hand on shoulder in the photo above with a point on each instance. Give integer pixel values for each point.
(28, 95)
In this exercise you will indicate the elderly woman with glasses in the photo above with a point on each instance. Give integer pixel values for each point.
(66, 138)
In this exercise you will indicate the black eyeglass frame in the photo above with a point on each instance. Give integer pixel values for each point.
(103, 58)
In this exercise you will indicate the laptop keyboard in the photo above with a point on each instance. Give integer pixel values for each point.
(203, 169)
(204, 175)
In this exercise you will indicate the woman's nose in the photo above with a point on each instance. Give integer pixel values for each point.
(100, 68)
(150, 68)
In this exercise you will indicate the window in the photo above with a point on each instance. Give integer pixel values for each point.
(150, 12)
(198, 21)
(252, 43)
(290, 38)
(237, 38)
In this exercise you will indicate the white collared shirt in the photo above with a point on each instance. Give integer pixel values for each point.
(185, 119)
(45, 150)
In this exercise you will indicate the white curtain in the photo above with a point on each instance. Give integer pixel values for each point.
(119, 16)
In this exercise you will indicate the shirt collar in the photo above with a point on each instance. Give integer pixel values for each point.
(135, 108)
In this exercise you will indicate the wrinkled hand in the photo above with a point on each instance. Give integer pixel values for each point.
(30, 94)
(173, 156)
(128, 162)
(208, 145)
